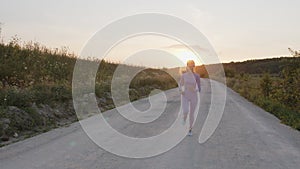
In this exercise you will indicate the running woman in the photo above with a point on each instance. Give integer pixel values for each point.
(189, 85)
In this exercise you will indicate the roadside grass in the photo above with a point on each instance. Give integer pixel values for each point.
(32, 74)
(250, 87)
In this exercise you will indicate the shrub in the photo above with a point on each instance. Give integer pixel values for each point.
(15, 97)
(266, 85)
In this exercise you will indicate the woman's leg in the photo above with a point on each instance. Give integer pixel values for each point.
(193, 104)
(185, 107)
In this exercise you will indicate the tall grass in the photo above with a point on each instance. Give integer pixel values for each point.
(32, 74)
(277, 93)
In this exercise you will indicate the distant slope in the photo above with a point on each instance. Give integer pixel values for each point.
(260, 66)
(272, 66)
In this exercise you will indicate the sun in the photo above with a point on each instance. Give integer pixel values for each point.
(185, 55)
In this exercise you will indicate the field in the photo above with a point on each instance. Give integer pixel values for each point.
(36, 88)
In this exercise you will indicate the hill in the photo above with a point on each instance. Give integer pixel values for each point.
(272, 66)
(273, 84)
(35, 89)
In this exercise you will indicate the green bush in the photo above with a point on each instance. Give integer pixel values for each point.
(277, 95)
(15, 97)
(266, 85)
(61, 93)
(39, 94)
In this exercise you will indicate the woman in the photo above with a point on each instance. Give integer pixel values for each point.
(189, 85)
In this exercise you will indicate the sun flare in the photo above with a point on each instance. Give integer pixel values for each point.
(185, 55)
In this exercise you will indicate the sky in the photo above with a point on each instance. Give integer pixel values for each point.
(238, 30)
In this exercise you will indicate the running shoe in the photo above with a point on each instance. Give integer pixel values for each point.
(190, 132)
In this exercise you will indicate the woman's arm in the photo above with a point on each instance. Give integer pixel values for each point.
(181, 83)
(198, 82)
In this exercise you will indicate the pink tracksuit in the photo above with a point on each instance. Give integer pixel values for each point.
(190, 82)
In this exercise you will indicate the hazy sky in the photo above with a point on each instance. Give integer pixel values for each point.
(237, 29)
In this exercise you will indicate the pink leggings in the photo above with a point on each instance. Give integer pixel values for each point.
(188, 103)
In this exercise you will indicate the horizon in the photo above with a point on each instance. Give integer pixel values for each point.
(72, 54)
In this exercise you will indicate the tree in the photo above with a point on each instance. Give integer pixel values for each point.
(291, 90)
(266, 85)
(294, 52)
(229, 72)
